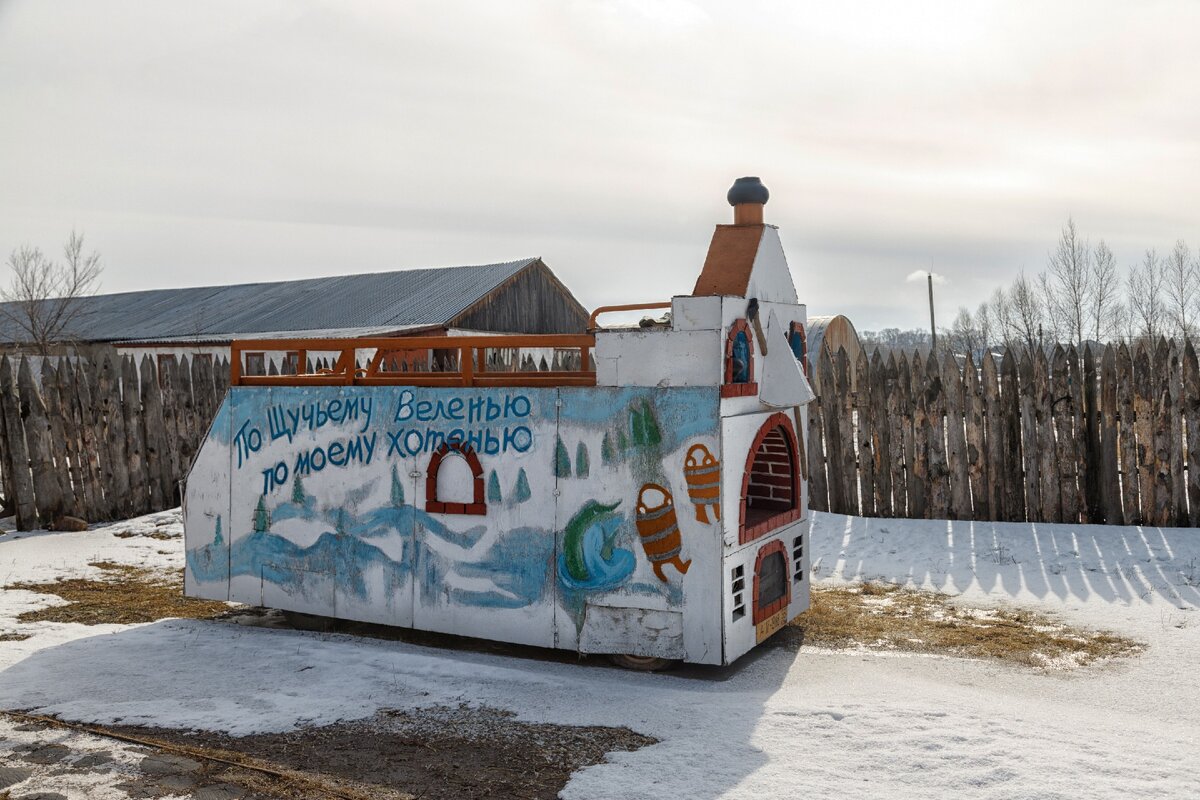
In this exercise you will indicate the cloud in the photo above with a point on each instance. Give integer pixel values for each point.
(921, 274)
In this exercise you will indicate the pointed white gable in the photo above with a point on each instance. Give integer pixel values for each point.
(782, 383)
(770, 278)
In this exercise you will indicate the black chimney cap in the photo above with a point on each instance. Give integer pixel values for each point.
(747, 190)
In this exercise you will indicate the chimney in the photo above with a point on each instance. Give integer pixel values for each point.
(747, 196)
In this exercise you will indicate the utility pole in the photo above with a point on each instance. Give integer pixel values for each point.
(932, 324)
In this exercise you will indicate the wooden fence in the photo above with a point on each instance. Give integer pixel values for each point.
(101, 439)
(1109, 437)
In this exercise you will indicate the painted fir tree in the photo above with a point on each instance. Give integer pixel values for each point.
(262, 517)
(650, 425)
(582, 465)
(297, 491)
(218, 538)
(562, 461)
(493, 494)
(608, 453)
(521, 491)
(397, 489)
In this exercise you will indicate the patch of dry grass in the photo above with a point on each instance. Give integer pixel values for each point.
(158, 535)
(125, 595)
(13, 637)
(881, 616)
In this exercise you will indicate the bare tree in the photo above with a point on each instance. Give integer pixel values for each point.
(1000, 311)
(1147, 306)
(1069, 284)
(983, 324)
(43, 298)
(1180, 286)
(963, 336)
(1028, 313)
(1105, 311)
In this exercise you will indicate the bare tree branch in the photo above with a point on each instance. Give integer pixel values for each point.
(42, 298)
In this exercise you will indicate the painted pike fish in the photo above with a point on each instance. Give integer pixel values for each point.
(589, 559)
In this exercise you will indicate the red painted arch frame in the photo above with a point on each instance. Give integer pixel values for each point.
(767, 549)
(776, 420)
(435, 506)
(729, 388)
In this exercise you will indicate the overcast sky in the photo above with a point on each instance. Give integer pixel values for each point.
(212, 142)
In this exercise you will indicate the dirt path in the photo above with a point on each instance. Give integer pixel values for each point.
(434, 753)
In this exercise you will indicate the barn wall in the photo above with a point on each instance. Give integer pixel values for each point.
(533, 301)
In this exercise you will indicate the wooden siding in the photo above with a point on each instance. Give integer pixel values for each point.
(532, 301)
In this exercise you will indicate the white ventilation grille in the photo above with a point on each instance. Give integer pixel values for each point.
(738, 579)
(798, 559)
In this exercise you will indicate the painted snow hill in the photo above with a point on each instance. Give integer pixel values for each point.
(659, 513)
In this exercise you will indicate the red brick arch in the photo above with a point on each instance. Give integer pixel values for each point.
(761, 614)
(771, 494)
(435, 506)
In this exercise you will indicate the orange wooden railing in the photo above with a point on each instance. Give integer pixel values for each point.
(627, 307)
(471, 368)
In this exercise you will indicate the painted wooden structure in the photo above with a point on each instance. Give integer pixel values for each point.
(650, 502)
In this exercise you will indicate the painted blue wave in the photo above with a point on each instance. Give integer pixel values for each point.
(607, 566)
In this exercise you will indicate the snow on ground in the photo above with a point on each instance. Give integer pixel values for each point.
(781, 723)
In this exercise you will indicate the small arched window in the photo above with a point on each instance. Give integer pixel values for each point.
(771, 491)
(798, 340)
(454, 488)
(739, 361)
(772, 589)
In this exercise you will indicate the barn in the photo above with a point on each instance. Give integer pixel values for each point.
(512, 297)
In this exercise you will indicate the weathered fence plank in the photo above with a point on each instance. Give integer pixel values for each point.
(1131, 483)
(1063, 415)
(975, 426)
(61, 445)
(1030, 444)
(956, 440)
(109, 397)
(1190, 394)
(135, 439)
(48, 496)
(899, 419)
(1110, 464)
(1164, 485)
(865, 426)
(85, 421)
(1048, 473)
(880, 436)
(1179, 511)
(152, 435)
(845, 424)
(830, 415)
(916, 446)
(16, 450)
(1075, 491)
(818, 486)
(1014, 469)
(939, 472)
(1090, 452)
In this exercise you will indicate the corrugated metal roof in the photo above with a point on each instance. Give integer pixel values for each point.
(377, 300)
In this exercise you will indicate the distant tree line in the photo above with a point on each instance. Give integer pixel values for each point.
(1081, 296)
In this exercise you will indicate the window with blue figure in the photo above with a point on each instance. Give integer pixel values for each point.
(796, 340)
(741, 357)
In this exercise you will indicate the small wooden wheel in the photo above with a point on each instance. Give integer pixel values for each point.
(643, 663)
